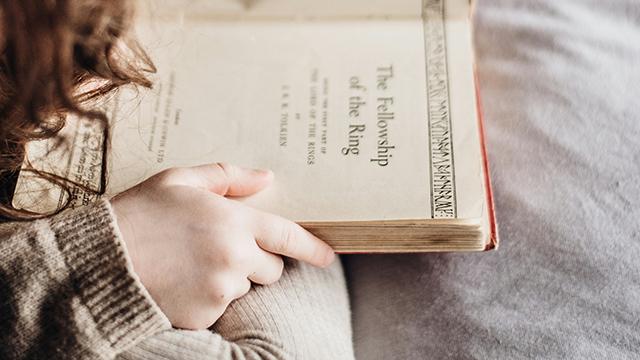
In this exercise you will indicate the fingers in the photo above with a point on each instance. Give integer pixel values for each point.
(268, 268)
(265, 269)
(243, 288)
(227, 288)
(280, 236)
(221, 178)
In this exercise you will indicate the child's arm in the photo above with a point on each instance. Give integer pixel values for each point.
(67, 289)
(76, 284)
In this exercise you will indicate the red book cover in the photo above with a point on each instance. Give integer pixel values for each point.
(493, 228)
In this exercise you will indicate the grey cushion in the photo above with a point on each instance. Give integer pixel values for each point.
(560, 82)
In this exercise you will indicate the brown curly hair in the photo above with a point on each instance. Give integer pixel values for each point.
(56, 56)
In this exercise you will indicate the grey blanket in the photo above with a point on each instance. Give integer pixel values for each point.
(560, 82)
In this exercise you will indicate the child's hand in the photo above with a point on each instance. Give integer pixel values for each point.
(196, 250)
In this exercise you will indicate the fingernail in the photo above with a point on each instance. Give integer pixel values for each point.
(330, 258)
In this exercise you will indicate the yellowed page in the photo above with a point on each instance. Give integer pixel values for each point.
(339, 109)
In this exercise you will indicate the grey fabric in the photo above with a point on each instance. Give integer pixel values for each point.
(560, 82)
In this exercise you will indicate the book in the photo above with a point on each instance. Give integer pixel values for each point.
(366, 111)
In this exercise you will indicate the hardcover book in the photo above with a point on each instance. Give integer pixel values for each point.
(366, 110)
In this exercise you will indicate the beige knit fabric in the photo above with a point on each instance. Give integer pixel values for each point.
(67, 291)
(303, 316)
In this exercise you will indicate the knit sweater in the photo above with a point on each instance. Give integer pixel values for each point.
(68, 291)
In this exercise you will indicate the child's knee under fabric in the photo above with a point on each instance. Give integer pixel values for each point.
(303, 316)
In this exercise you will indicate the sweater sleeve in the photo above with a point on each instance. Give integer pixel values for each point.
(68, 290)
(303, 316)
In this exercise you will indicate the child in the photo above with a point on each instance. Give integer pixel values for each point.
(119, 278)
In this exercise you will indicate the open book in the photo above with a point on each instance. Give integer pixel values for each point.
(365, 110)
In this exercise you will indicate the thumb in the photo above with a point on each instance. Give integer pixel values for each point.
(222, 178)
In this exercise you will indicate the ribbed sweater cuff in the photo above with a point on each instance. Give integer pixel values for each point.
(92, 246)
